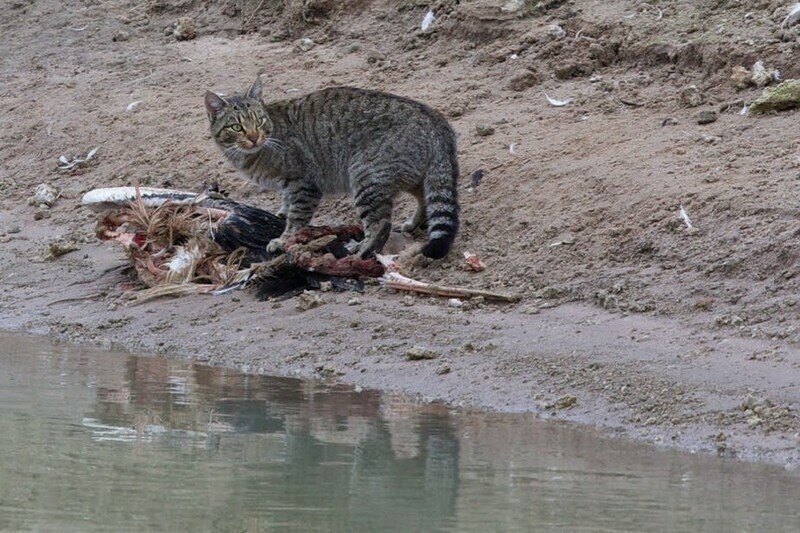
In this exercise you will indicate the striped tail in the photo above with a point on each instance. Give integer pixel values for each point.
(441, 204)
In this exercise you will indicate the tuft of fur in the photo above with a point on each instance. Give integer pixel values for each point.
(371, 144)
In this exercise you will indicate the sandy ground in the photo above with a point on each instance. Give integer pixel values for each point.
(629, 320)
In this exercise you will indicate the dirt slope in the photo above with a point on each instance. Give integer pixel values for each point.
(605, 175)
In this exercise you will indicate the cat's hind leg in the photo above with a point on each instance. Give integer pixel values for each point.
(374, 203)
(418, 220)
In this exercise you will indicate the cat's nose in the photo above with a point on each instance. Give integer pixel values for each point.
(253, 137)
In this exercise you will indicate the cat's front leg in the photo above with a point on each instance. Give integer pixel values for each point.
(301, 200)
(284, 210)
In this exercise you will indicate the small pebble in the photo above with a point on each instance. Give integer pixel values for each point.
(308, 300)
(512, 6)
(305, 44)
(706, 117)
(484, 130)
(556, 31)
(523, 80)
(711, 139)
(418, 353)
(44, 195)
(442, 370)
(565, 402)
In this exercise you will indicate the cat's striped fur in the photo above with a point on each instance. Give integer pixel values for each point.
(370, 144)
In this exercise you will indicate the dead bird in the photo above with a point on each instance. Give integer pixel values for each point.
(181, 239)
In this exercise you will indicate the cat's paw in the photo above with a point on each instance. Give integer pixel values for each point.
(413, 227)
(276, 245)
(411, 257)
(407, 227)
(360, 249)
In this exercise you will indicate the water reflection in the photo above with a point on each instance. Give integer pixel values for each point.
(103, 441)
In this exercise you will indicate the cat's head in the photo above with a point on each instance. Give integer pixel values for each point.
(239, 122)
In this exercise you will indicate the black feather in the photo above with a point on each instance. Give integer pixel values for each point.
(253, 228)
(248, 227)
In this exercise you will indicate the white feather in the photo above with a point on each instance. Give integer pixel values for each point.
(181, 260)
(151, 197)
(66, 164)
(512, 148)
(557, 102)
(133, 105)
(184, 262)
(686, 219)
(428, 20)
(792, 17)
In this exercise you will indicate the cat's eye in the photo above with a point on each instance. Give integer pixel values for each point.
(236, 127)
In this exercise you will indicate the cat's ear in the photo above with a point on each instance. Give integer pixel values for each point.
(214, 104)
(255, 89)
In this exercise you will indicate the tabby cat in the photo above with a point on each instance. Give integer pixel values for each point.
(368, 143)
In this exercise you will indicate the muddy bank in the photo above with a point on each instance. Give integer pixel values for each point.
(661, 380)
(629, 320)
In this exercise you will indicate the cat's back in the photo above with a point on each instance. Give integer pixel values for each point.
(369, 108)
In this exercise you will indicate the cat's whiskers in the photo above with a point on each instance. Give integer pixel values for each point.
(271, 142)
(231, 151)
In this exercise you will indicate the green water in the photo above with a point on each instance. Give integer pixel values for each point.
(92, 441)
